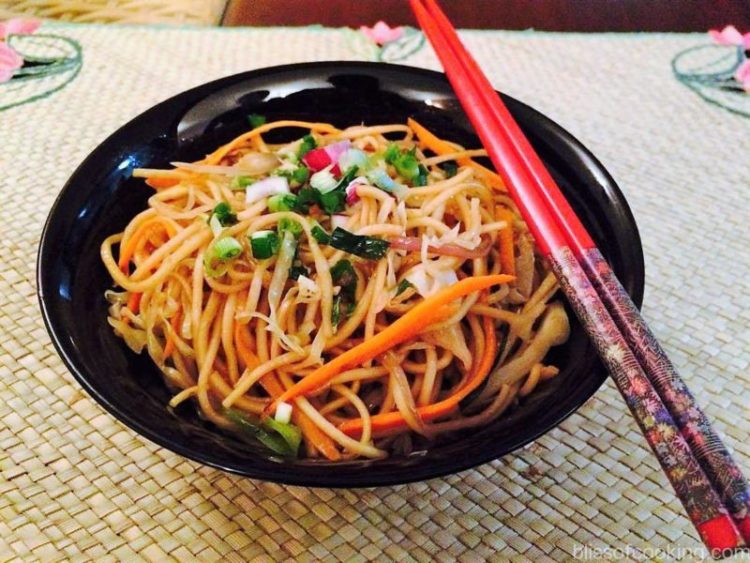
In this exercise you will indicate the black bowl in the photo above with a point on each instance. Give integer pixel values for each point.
(100, 198)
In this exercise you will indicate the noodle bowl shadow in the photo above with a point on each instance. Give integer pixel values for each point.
(101, 197)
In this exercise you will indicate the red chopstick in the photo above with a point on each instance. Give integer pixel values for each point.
(695, 427)
(613, 322)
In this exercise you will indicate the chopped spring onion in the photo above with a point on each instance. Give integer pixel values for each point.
(280, 438)
(450, 168)
(267, 187)
(227, 248)
(403, 286)
(290, 225)
(215, 225)
(297, 269)
(343, 275)
(264, 244)
(301, 175)
(241, 182)
(380, 178)
(282, 202)
(320, 234)
(219, 254)
(283, 413)
(421, 178)
(225, 216)
(370, 248)
(324, 181)
(308, 143)
(354, 157)
(256, 120)
(391, 153)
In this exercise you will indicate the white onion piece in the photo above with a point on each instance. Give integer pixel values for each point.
(283, 413)
(335, 150)
(257, 163)
(428, 283)
(281, 272)
(273, 185)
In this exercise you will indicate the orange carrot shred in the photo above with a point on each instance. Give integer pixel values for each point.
(388, 423)
(174, 322)
(158, 183)
(440, 147)
(273, 387)
(427, 312)
(143, 230)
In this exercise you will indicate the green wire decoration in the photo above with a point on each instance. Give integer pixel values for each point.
(708, 70)
(50, 63)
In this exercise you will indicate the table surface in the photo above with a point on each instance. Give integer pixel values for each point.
(75, 483)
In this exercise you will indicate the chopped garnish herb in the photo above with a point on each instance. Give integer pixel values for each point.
(333, 201)
(218, 256)
(280, 438)
(320, 235)
(343, 275)
(324, 181)
(403, 286)
(450, 168)
(264, 244)
(241, 182)
(421, 179)
(256, 120)
(370, 248)
(227, 248)
(406, 164)
(223, 212)
(296, 176)
(301, 175)
(305, 198)
(282, 202)
(298, 268)
(308, 144)
(286, 224)
(391, 153)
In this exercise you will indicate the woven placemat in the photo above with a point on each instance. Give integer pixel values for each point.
(76, 484)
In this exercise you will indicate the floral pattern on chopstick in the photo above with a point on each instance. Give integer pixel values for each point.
(719, 72)
(34, 65)
(383, 43)
(657, 425)
(695, 427)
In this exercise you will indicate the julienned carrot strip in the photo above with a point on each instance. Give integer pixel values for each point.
(174, 322)
(273, 387)
(507, 254)
(394, 421)
(134, 302)
(429, 311)
(129, 249)
(439, 146)
(158, 183)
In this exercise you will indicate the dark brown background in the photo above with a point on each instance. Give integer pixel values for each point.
(552, 15)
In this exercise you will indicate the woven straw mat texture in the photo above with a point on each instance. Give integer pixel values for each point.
(76, 484)
(206, 12)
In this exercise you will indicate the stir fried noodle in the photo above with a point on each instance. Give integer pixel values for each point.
(354, 293)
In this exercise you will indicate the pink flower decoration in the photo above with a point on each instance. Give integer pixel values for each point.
(742, 74)
(18, 26)
(382, 33)
(730, 36)
(10, 61)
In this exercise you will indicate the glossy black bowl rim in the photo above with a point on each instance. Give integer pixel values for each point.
(300, 479)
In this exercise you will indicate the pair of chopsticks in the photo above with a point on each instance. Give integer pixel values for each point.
(705, 477)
